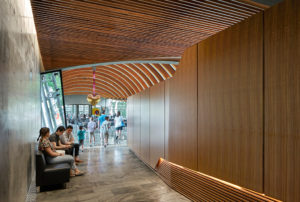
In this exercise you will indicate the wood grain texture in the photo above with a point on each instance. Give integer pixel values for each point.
(182, 141)
(137, 124)
(145, 126)
(117, 81)
(156, 123)
(230, 100)
(74, 33)
(200, 187)
(167, 117)
(130, 122)
(282, 98)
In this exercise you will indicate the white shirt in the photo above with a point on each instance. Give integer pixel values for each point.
(91, 126)
(105, 126)
(118, 121)
(66, 137)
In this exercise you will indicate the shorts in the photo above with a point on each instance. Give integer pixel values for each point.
(80, 142)
(92, 133)
(106, 135)
(119, 128)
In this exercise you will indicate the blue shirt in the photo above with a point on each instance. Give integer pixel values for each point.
(80, 134)
(102, 119)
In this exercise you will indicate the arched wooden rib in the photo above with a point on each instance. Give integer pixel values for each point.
(88, 73)
(83, 81)
(147, 72)
(86, 92)
(70, 75)
(157, 73)
(136, 86)
(169, 69)
(101, 87)
(165, 70)
(121, 80)
(161, 70)
(141, 73)
(97, 80)
(135, 79)
(175, 67)
(118, 75)
(137, 74)
(90, 89)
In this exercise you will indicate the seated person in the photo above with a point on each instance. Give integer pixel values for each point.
(55, 140)
(52, 157)
(68, 139)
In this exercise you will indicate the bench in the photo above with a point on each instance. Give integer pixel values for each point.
(50, 174)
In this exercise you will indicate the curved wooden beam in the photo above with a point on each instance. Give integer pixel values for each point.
(76, 74)
(117, 80)
(82, 82)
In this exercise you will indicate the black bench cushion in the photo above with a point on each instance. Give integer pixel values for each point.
(56, 167)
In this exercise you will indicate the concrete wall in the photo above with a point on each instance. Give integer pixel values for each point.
(20, 65)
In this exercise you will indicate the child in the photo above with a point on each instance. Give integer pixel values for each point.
(105, 127)
(80, 135)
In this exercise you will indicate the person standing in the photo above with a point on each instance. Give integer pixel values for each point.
(118, 126)
(100, 122)
(105, 130)
(91, 129)
(81, 134)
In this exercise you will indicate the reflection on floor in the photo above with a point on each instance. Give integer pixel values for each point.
(113, 174)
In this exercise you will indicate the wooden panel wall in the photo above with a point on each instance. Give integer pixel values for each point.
(167, 116)
(137, 124)
(130, 122)
(157, 123)
(145, 126)
(230, 104)
(182, 141)
(282, 101)
(247, 102)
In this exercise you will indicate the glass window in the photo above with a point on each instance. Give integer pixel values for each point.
(53, 114)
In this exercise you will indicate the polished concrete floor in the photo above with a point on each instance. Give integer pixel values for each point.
(112, 174)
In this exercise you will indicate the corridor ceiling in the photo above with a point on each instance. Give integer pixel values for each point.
(79, 32)
(117, 81)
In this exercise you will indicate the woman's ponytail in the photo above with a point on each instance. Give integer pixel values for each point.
(38, 137)
(43, 132)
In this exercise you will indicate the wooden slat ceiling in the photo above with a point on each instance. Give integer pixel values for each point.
(76, 32)
(117, 81)
(79, 32)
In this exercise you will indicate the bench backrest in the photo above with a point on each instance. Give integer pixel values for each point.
(40, 161)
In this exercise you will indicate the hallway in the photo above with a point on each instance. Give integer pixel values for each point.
(113, 174)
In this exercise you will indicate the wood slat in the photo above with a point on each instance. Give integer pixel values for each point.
(200, 187)
(77, 32)
(119, 80)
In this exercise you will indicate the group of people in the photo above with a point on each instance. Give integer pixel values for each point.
(59, 147)
(104, 126)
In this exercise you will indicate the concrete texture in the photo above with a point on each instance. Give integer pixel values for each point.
(20, 65)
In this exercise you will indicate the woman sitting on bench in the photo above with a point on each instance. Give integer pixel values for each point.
(53, 157)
